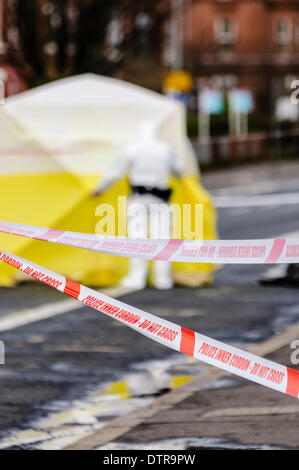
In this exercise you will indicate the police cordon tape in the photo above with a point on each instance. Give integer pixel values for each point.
(216, 353)
(272, 251)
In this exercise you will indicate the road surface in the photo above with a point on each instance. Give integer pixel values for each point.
(70, 370)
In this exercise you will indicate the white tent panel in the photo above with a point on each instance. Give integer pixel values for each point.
(81, 121)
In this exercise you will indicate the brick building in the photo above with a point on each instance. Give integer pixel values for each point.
(245, 43)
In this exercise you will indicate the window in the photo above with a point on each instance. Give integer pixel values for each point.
(225, 31)
(297, 32)
(283, 31)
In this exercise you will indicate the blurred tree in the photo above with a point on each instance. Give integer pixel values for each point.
(13, 66)
(64, 37)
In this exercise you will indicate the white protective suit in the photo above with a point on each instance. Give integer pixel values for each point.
(148, 163)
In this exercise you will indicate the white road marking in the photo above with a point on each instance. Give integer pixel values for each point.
(261, 187)
(256, 201)
(185, 443)
(65, 435)
(42, 312)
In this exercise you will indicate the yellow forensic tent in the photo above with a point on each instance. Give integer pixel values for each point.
(56, 142)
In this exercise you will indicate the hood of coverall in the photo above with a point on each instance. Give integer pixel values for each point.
(149, 131)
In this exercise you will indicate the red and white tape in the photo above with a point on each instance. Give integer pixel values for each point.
(272, 251)
(216, 353)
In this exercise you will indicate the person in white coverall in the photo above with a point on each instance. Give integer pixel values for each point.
(148, 162)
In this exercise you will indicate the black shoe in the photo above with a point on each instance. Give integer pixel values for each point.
(275, 281)
(291, 278)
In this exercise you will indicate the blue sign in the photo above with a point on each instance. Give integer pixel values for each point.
(182, 97)
(211, 102)
(241, 101)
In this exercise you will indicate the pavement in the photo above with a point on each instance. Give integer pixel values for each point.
(76, 378)
(214, 411)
